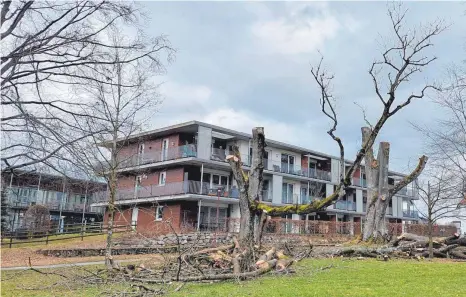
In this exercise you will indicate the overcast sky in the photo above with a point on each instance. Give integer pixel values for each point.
(242, 64)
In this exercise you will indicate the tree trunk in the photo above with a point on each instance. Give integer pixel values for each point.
(375, 227)
(431, 242)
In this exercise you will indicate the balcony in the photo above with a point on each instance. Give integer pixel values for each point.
(173, 153)
(410, 192)
(345, 205)
(170, 189)
(298, 170)
(359, 182)
(16, 200)
(290, 198)
(410, 214)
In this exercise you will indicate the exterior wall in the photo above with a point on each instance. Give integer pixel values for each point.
(277, 181)
(173, 175)
(359, 203)
(204, 143)
(150, 146)
(146, 222)
(328, 192)
(335, 169)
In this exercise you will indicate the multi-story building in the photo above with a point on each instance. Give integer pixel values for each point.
(179, 173)
(68, 200)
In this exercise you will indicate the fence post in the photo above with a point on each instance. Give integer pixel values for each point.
(101, 227)
(11, 240)
(82, 232)
(47, 238)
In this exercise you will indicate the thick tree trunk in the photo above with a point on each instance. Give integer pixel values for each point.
(377, 190)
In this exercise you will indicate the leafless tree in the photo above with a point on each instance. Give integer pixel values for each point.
(47, 49)
(439, 199)
(399, 63)
(446, 141)
(125, 96)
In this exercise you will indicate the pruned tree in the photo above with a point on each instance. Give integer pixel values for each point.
(400, 62)
(125, 96)
(47, 49)
(37, 218)
(439, 199)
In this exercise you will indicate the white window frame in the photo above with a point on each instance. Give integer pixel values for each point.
(164, 175)
(164, 153)
(137, 184)
(140, 152)
(159, 213)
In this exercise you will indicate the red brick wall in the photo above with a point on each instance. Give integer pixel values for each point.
(146, 222)
(154, 145)
(357, 173)
(304, 163)
(173, 175)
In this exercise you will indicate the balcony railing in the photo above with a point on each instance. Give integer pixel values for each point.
(16, 200)
(410, 214)
(359, 182)
(169, 189)
(298, 170)
(345, 205)
(290, 199)
(410, 192)
(71, 207)
(173, 153)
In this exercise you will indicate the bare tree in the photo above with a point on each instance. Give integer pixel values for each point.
(48, 48)
(123, 103)
(439, 199)
(399, 62)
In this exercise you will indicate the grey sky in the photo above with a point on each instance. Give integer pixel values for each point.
(243, 64)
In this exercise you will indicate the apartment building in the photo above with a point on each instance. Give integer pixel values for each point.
(179, 174)
(68, 200)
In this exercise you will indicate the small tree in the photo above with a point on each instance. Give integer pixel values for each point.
(439, 199)
(37, 218)
(125, 95)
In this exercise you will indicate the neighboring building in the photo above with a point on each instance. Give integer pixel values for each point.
(179, 173)
(69, 199)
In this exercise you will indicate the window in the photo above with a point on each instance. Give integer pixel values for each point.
(287, 193)
(141, 149)
(162, 178)
(159, 213)
(287, 163)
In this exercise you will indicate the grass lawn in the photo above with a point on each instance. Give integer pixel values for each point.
(344, 278)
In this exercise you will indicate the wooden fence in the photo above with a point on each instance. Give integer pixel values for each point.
(73, 230)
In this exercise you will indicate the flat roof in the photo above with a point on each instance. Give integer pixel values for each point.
(187, 127)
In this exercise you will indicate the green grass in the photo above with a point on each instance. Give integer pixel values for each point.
(344, 278)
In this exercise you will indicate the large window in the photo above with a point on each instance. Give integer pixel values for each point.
(267, 191)
(287, 193)
(287, 163)
(213, 181)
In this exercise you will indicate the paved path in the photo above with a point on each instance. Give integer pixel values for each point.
(62, 265)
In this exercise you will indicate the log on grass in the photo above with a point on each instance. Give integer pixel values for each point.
(282, 264)
(212, 277)
(459, 252)
(266, 257)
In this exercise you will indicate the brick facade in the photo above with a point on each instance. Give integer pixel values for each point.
(152, 178)
(150, 146)
(146, 222)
